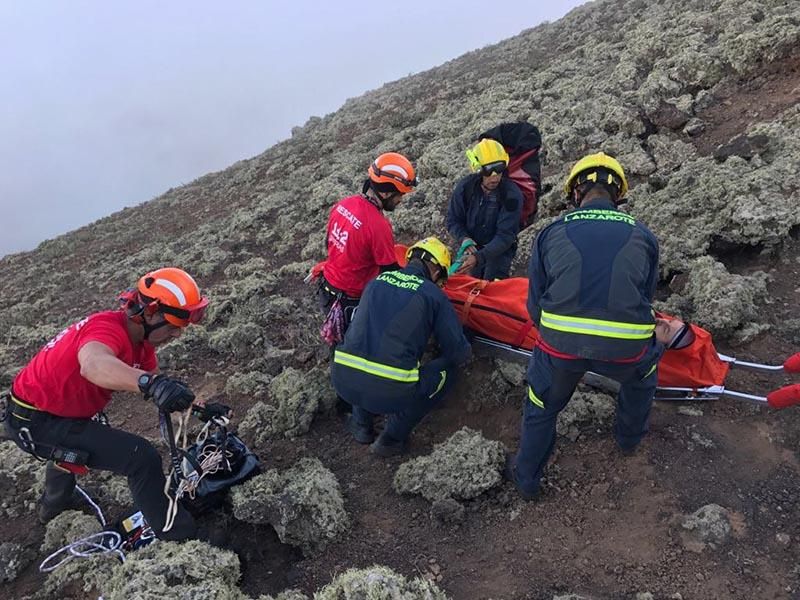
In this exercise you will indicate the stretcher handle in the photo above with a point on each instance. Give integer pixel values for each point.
(790, 365)
(735, 362)
(784, 397)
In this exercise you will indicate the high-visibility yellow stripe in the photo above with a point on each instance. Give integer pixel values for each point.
(534, 398)
(598, 327)
(374, 368)
(441, 384)
(650, 372)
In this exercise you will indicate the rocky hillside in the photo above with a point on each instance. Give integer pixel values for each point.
(699, 100)
(649, 82)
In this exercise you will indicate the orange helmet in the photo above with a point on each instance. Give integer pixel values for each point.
(173, 293)
(395, 169)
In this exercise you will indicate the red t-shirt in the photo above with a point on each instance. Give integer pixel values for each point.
(52, 381)
(360, 241)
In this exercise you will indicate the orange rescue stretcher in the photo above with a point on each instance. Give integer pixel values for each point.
(496, 313)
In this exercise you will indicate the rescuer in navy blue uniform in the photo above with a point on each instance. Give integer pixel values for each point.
(485, 207)
(377, 367)
(592, 277)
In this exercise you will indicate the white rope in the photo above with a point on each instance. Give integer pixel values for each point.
(107, 541)
(96, 508)
(102, 542)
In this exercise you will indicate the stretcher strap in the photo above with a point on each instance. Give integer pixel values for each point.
(519, 340)
(472, 296)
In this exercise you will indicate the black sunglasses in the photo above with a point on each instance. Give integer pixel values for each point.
(492, 168)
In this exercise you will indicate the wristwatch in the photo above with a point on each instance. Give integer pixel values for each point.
(145, 379)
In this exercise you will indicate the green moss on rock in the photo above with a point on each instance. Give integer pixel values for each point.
(304, 504)
(462, 467)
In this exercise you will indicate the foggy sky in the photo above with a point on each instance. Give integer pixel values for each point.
(108, 104)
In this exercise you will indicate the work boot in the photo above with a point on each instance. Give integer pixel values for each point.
(628, 450)
(387, 446)
(46, 512)
(510, 474)
(363, 434)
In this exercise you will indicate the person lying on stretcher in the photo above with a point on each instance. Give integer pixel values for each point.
(674, 333)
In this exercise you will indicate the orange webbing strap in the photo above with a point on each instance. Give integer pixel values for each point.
(473, 294)
(522, 333)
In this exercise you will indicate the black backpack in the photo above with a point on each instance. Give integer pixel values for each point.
(523, 142)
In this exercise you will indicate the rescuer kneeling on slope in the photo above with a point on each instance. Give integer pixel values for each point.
(71, 379)
(377, 368)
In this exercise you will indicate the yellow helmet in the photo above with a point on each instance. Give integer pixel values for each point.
(599, 168)
(486, 152)
(433, 250)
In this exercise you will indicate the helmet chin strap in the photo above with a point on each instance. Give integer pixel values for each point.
(148, 329)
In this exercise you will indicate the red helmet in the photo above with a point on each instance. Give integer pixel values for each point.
(395, 169)
(173, 293)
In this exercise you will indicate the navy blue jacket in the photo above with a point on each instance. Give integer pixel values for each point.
(492, 225)
(591, 281)
(398, 312)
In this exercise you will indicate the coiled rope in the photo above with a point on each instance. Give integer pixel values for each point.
(102, 542)
(210, 459)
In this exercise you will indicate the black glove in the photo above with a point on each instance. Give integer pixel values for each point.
(210, 411)
(169, 395)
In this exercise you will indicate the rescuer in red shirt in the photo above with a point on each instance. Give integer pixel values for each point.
(71, 379)
(359, 236)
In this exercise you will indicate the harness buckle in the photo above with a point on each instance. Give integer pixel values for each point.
(26, 442)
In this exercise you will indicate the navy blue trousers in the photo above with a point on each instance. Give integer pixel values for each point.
(435, 379)
(551, 383)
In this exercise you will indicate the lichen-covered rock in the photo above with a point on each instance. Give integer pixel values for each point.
(447, 510)
(21, 480)
(285, 595)
(13, 560)
(105, 487)
(743, 201)
(462, 467)
(68, 527)
(378, 583)
(721, 301)
(710, 523)
(256, 425)
(190, 570)
(87, 574)
(304, 504)
(513, 373)
(251, 383)
(586, 408)
(295, 397)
